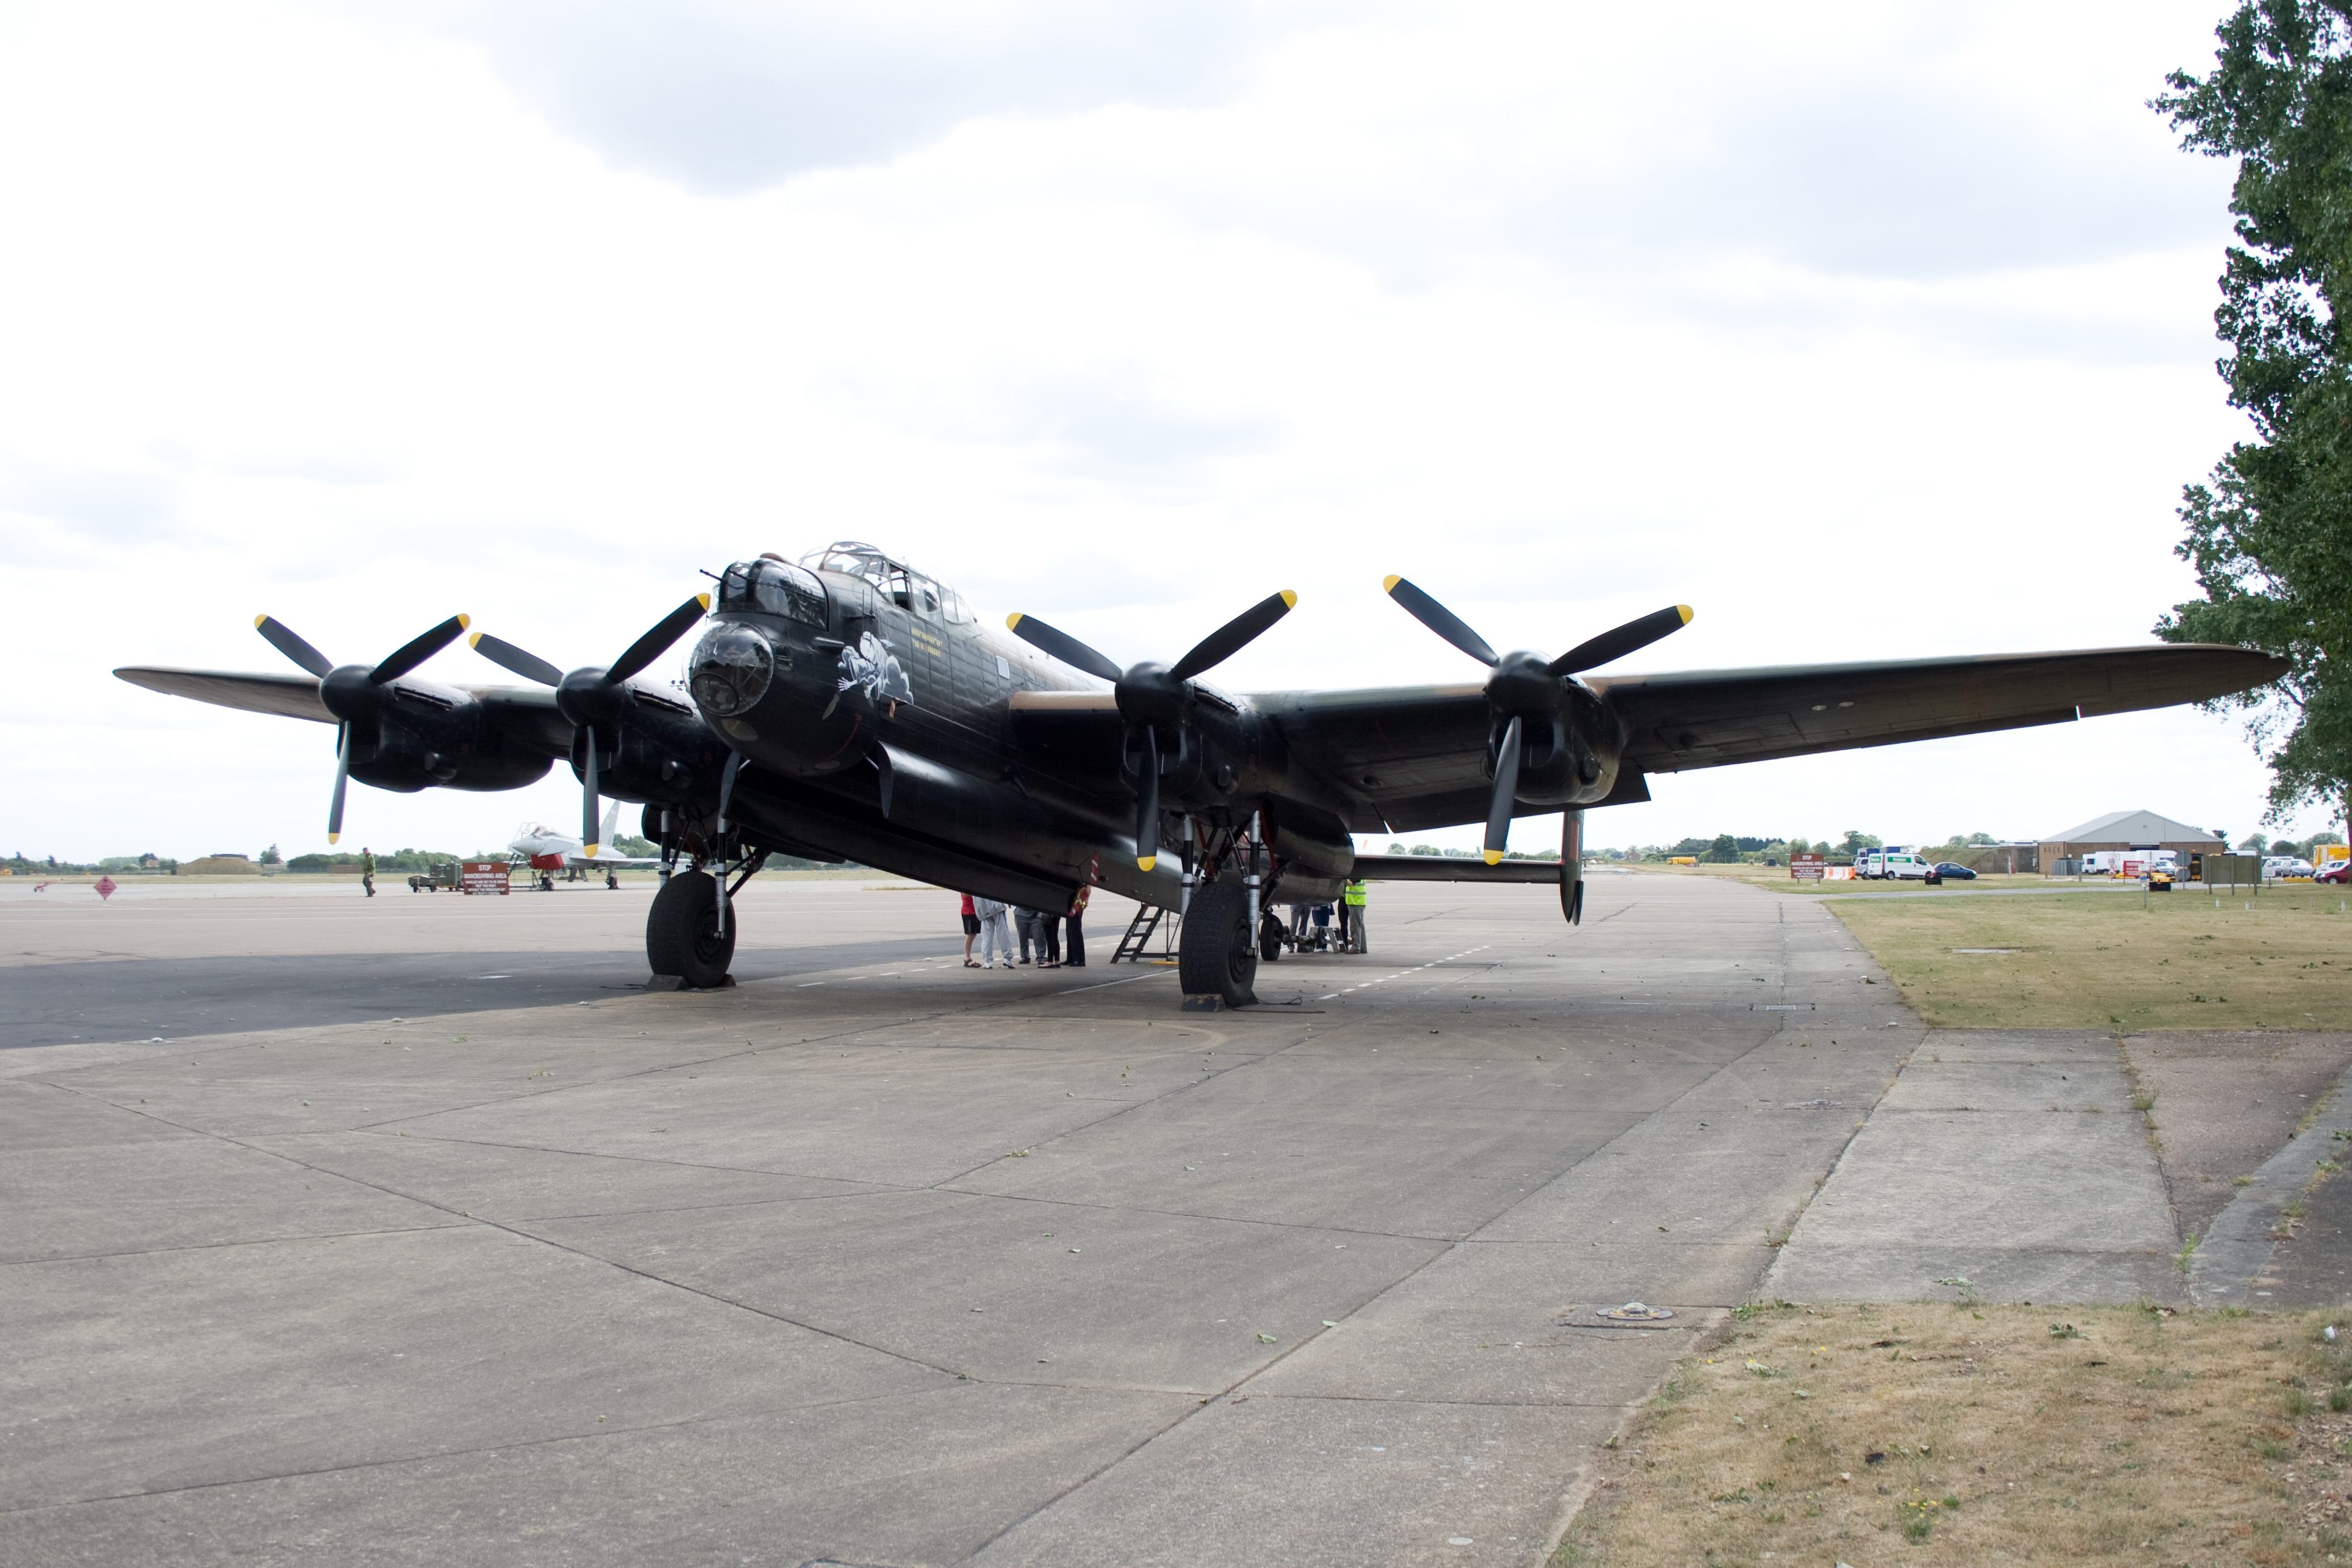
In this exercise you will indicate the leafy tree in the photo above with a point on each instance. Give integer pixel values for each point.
(1722, 850)
(1859, 843)
(270, 857)
(2271, 535)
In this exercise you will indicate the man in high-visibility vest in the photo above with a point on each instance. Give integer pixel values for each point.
(1352, 903)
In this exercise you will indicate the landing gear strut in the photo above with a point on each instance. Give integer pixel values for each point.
(1216, 954)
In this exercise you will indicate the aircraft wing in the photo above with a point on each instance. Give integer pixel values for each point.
(1413, 757)
(527, 712)
(611, 862)
(288, 696)
(1705, 719)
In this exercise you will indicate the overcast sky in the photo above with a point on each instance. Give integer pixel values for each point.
(1871, 331)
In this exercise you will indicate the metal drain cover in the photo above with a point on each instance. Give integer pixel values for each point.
(1633, 1312)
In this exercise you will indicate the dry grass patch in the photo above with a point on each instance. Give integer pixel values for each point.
(2098, 961)
(1986, 1434)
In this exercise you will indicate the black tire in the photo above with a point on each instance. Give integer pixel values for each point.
(1215, 956)
(1269, 937)
(682, 936)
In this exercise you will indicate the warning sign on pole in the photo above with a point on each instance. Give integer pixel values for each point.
(487, 876)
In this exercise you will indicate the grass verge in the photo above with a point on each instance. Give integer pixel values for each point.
(2098, 961)
(1985, 1434)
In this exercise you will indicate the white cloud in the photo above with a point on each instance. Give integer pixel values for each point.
(1869, 331)
(725, 97)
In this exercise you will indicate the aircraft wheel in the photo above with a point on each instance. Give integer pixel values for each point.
(1269, 937)
(1215, 956)
(682, 935)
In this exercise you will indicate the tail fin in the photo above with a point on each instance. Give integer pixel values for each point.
(612, 815)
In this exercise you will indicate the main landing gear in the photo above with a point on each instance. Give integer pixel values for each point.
(690, 932)
(1216, 952)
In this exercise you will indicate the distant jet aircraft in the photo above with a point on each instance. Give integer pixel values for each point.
(549, 851)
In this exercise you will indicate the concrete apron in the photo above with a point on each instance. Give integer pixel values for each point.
(2006, 1165)
(2232, 1259)
(1325, 1293)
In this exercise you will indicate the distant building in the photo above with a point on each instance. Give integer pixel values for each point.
(2126, 830)
(220, 866)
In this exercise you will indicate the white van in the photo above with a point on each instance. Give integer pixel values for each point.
(1895, 865)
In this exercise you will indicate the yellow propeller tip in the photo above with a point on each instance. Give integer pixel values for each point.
(476, 639)
(465, 621)
(1012, 622)
(1389, 582)
(1145, 862)
(704, 600)
(589, 850)
(258, 620)
(1685, 611)
(334, 838)
(1289, 599)
(1494, 857)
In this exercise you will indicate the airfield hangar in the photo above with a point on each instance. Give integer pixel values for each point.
(2128, 830)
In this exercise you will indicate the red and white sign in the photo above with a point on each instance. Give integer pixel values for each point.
(1808, 867)
(485, 876)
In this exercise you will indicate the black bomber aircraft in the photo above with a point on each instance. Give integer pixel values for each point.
(850, 707)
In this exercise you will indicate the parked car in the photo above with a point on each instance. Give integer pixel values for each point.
(2340, 872)
(1955, 870)
(2279, 866)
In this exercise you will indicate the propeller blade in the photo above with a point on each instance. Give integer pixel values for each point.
(1147, 803)
(655, 643)
(515, 660)
(343, 777)
(1630, 638)
(1061, 644)
(1506, 789)
(1233, 635)
(292, 646)
(408, 656)
(1440, 619)
(589, 831)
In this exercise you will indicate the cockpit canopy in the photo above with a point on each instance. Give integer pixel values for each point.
(902, 584)
(774, 587)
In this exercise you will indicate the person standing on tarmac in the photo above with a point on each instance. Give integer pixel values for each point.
(1074, 955)
(970, 931)
(1352, 900)
(367, 869)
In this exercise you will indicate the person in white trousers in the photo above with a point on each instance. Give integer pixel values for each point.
(995, 932)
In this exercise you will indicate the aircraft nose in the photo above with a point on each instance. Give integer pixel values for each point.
(731, 668)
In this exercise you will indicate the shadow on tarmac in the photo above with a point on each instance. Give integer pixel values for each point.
(186, 998)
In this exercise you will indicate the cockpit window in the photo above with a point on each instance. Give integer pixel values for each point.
(774, 587)
(903, 586)
(852, 559)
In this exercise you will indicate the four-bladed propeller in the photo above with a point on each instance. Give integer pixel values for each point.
(354, 693)
(1154, 696)
(1526, 683)
(591, 696)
